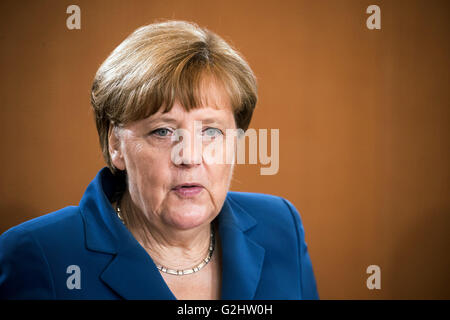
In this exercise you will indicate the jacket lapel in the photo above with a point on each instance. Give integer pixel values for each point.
(133, 275)
(242, 258)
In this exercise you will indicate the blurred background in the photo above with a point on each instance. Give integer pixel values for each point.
(364, 120)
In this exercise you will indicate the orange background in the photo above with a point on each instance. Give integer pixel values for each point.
(363, 118)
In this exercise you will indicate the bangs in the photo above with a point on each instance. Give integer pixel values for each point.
(186, 84)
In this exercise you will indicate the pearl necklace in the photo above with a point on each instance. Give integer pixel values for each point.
(189, 270)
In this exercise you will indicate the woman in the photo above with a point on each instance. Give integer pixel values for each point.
(159, 222)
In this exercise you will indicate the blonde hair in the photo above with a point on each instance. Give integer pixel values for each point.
(163, 62)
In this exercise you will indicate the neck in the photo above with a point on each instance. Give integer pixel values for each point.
(168, 246)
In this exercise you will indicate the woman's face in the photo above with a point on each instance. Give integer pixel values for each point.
(180, 195)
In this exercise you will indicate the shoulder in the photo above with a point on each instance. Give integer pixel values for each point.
(57, 223)
(50, 233)
(274, 216)
(25, 251)
(266, 208)
(279, 230)
(49, 220)
(250, 198)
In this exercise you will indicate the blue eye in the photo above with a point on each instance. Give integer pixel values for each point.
(212, 132)
(161, 132)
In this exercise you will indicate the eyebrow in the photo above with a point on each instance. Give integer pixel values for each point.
(163, 118)
(211, 120)
(171, 120)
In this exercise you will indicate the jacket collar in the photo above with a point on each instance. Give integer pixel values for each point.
(242, 258)
(132, 273)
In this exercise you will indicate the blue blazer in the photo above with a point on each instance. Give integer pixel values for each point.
(85, 252)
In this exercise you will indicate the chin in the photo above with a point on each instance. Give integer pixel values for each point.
(188, 217)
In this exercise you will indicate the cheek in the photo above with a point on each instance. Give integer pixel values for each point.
(148, 167)
(221, 176)
(142, 156)
(221, 183)
(221, 154)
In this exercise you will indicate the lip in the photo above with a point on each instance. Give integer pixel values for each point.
(188, 190)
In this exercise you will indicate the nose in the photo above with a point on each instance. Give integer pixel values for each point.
(192, 154)
(187, 152)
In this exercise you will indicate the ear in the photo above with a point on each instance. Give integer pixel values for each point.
(114, 148)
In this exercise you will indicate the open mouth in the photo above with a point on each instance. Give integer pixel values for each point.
(188, 189)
